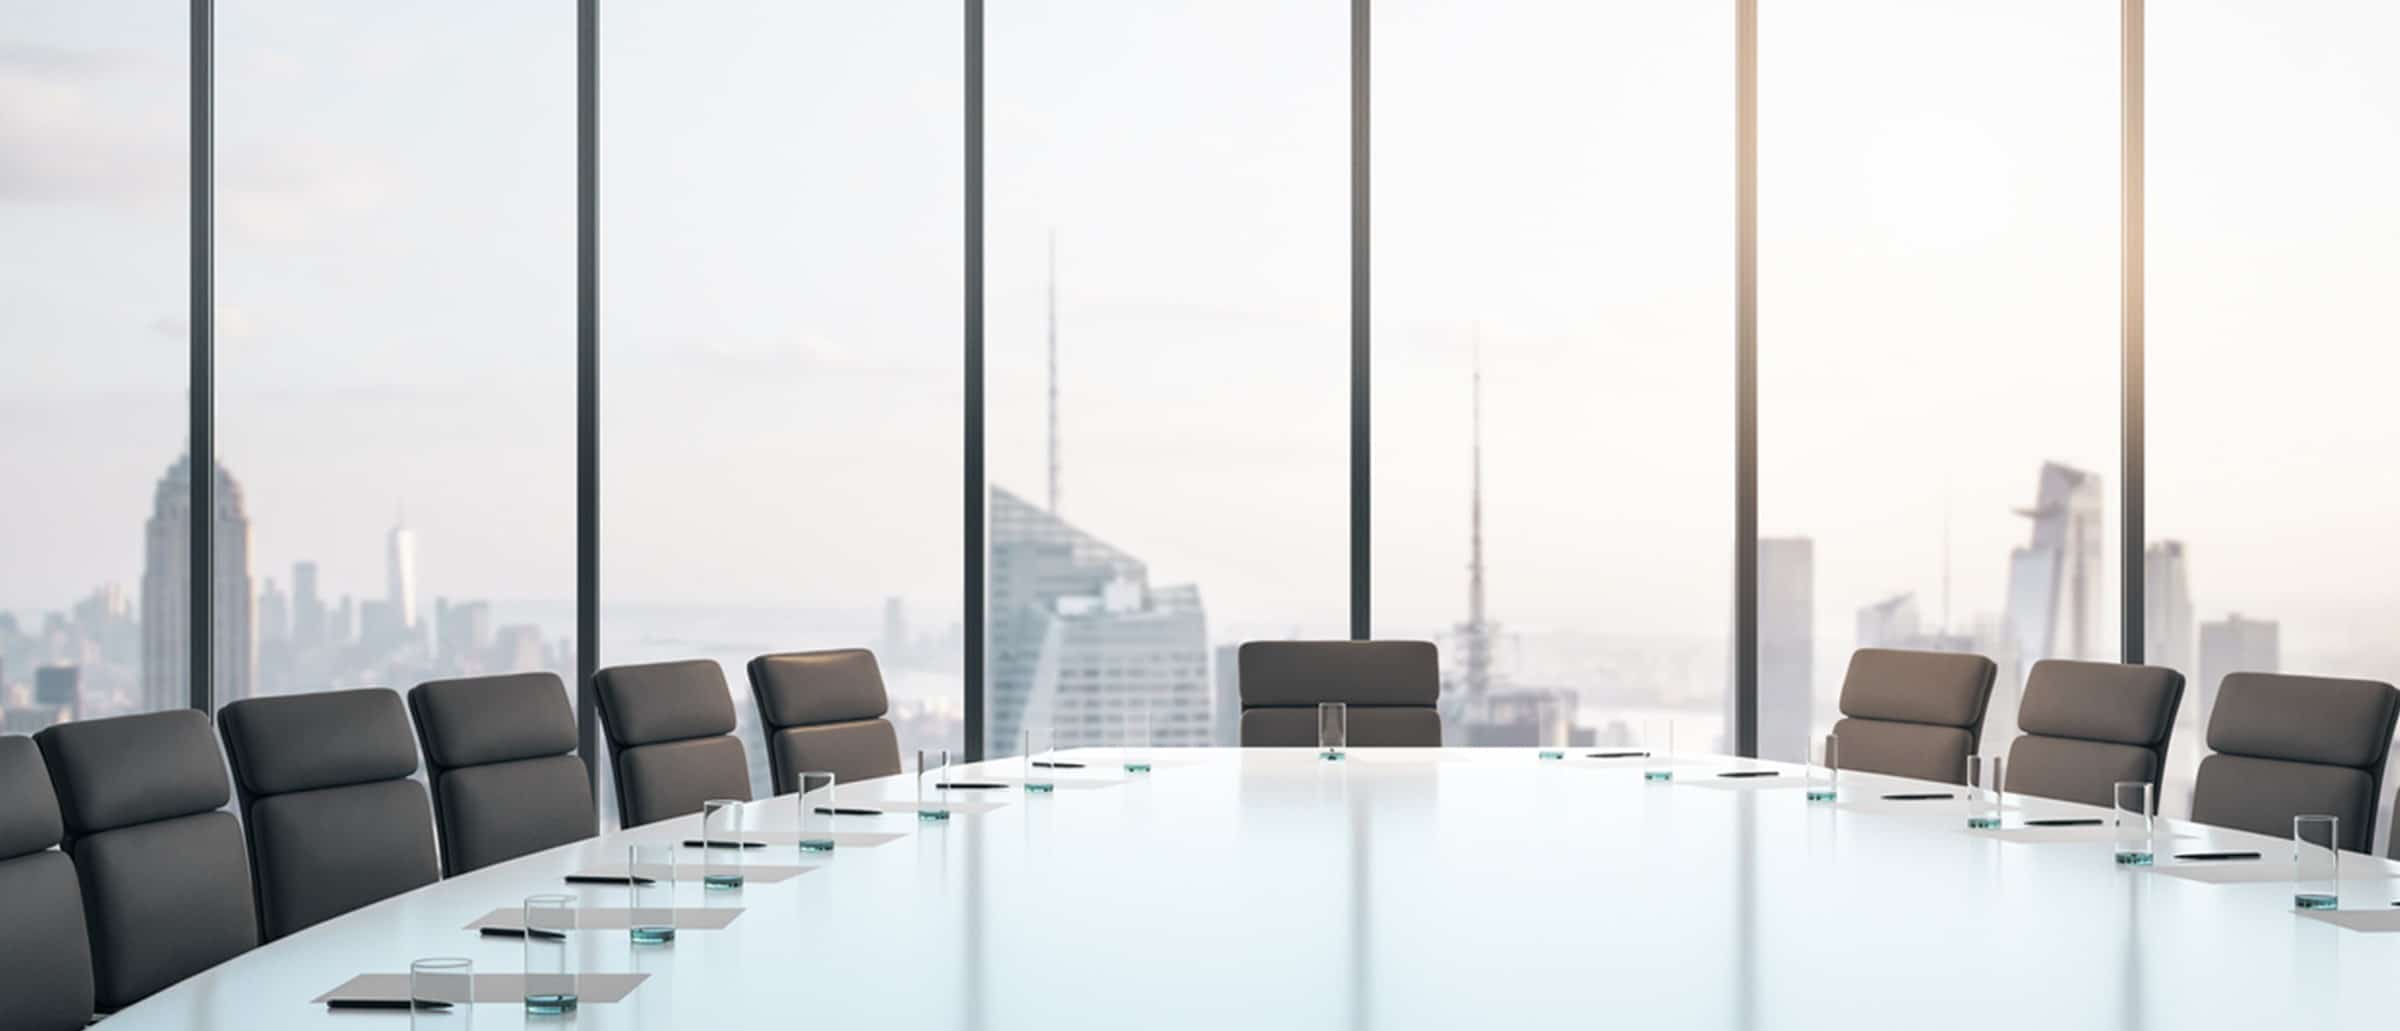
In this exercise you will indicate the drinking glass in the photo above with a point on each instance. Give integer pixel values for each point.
(812, 840)
(651, 919)
(1658, 743)
(2316, 862)
(939, 808)
(1333, 730)
(1549, 735)
(1137, 751)
(1824, 769)
(2135, 824)
(1986, 791)
(550, 954)
(1038, 776)
(721, 844)
(441, 992)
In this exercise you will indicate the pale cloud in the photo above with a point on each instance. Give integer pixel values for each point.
(233, 323)
(95, 127)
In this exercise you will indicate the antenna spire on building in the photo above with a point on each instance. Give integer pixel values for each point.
(1053, 334)
(1477, 639)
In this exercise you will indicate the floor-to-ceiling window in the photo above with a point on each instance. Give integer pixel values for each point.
(95, 531)
(2273, 144)
(1938, 341)
(395, 343)
(1167, 335)
(780, 303)
(1553, 362)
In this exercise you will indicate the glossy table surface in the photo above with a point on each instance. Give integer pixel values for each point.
(1400, 888)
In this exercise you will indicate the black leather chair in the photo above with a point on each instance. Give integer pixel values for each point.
(45, 953)
(1913, 714)
(2288, 746)
(333, 817)
(2089, 725)
(670, 738)
(1389, 687)
(500, 752)
(166, 884)
(824, 711)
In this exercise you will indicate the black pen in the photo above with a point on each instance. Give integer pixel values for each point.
(970, 785)
(843, 810)
(2198, 857)
(385, 1004)
(1750, 773)
(1044, 765)
(2079, 821)
(697, 843)
(606, 878)
(1618, 755)
(519, 932)
(1923, 796)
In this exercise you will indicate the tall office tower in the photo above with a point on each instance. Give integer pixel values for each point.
(342, 628)
(462, 635)
(308, 607)
(166, 620)
(2054, 587)
(1893, 622)
(57, 685)
(518, 647)
(1080, 641)
(400, 574)
(1787, 649)
(2236, 645)
(2167, 612)
(1227, 714)
(894, 651)
(1475, 635)
(274, 614)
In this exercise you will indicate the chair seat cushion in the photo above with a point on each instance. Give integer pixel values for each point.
(45, 956)
(164, 901)
(324, 853)
(2262, 795)
(498, 812)
(1370, 726)
(2077, 771)
(1916, 750)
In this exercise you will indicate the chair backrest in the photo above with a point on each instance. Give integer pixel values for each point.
(1913, 714)
(334, 819)
(670, 738)
(166, 883)
(2286, 746)
(1389, 687)
(500, 753)
(824, 711)
(2089, 725)
(45, 956)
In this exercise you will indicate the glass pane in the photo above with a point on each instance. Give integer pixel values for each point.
(1553, 374)
(1938, 339)
(2272, 222)
(396, 341)
(94, 231)
(1168, 333)
(781, 331)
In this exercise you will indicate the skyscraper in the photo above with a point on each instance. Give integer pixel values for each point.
(400, 575)
(1475, 635)
(2236, 645)
(1787, 650)
(2167, 607)
(308, 607)
(2054, 586)
(166, 571)
(1081, 641)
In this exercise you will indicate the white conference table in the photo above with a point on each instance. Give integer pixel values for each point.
(1401, 888)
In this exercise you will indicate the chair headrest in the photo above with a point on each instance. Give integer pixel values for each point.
(130, 770)
(1946, 689)
(663, 701)
(1353, 672)
(472, 721)
(2323, 720)
(2100, 701)
(326, 739)
(798, 689)
(29, 820)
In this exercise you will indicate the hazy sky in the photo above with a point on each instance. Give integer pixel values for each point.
(781, 314)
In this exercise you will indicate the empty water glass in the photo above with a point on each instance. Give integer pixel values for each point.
(1824, 769)
(1658, 745)
(937, 808)
(2316, 862)
(1139, 741)
(721, 844)
(1333, 730)
(1986, 791)
(1038, 777)
(2135, 823)
(651, 871)
(811, 839)
(441, 992)
(550, 954)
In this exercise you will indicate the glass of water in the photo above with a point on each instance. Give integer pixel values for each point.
(1333, 730)
(651, 871)
(1039, 776)
(2135, 821)
(1549, 730)
(1139, 741)
(813, 839)
(939, 807)
(441, 992)
(1824, 769)
(1658, 741)
(2316, 862)
(721, 844)
(550, 954)
(1986, 791)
